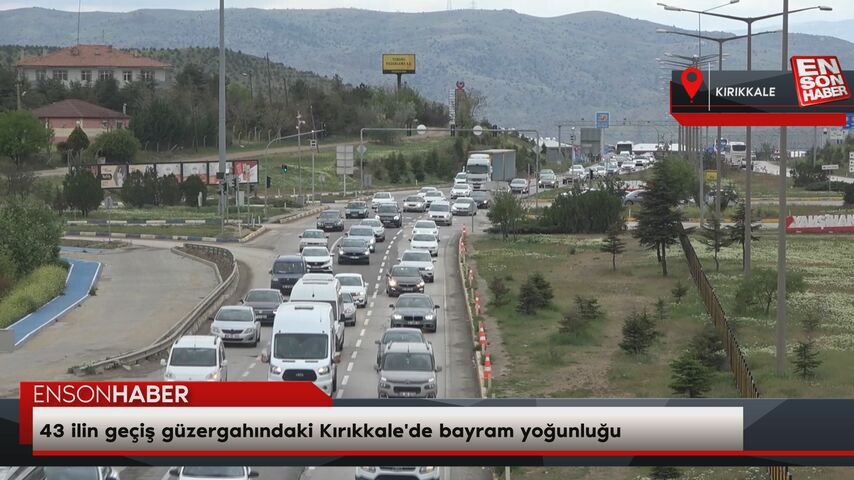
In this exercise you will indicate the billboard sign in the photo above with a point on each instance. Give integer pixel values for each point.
(603, 119)
(399, 63)
(246, 170)
(344, 159)
(113, 176)
(199, 169)
(213, 169)
(166, 169)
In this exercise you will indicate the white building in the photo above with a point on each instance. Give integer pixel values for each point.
(89, 63)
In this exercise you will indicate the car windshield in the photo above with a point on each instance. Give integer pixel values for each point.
(353, 242)
(234, 315)
(361, 232)
(413, 199)
(425, 224)
(329, 214)
(302, 346)
(313, 234)
(193, 357)
(71, 473)
(287, 267)
(382, 196)
(478, 169)
(414, 302)
(356, 205)
(416, 257)
(262, 296)
(372, 222)
(350, 281)
(439, 208)
(414, 362)
(518, 182)
(478, 195)
(346, 298)
(315, 252)
(405, 272)
(213, 471)
(433, 193)
(387, 209)
(405, 336)
(424, 237)
(465, 201)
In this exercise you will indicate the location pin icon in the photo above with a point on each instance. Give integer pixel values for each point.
(692, 79)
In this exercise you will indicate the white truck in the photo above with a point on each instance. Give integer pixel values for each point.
(735, 153)
(478, 170)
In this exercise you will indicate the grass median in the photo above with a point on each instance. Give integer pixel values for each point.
(230, 232)
(31, 292)
(209, 212)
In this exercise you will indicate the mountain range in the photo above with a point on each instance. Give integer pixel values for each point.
(533, 71)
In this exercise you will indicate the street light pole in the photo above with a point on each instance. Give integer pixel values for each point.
(221, 115)
(781, 221)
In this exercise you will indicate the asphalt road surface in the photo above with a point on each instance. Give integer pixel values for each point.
(357, 378)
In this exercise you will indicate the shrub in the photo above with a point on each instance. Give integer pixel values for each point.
(660, 310)
(193, 185)
(29, 233)
(31, 292)
(499, 291)
(575, 322)
(689, 376)
(530, 298)
(544, 287)
(760, 289)
(708, 348)
(639, 333)
(590, 212)
(168, 190)
(82, 190)
(848, 195)
(806, 359)
(8, 272)
(665, 473)
(679, 292)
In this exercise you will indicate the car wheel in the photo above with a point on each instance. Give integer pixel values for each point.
(257, 339)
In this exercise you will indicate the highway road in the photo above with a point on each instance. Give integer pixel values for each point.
(357, 377)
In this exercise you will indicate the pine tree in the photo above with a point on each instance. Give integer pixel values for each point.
(714, 238)
(665, 473)
(659, 220)
(530, 298)
(660, 309)
(638, 333)
(736, 230)
(689, 376)
(543, 286)
(806, 359)
(614, 245)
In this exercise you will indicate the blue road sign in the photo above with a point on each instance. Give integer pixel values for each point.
(849, 121)
(603, 119)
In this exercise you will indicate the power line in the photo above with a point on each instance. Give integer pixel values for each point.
(450, 5)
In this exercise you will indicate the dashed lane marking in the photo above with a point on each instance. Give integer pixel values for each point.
(362, 333)
(252, 365)
(379, 277)
(340, 394)
(367, 321)
(350, 367)
(358, 343)
(345, 379)
(245, 374)
(354, 354)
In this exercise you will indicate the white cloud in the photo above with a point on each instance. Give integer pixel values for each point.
(645, 9)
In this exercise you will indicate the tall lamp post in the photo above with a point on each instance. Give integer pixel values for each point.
(300, 123)
(251, 92)
(720, 42)
(221, 115)
(748, 140)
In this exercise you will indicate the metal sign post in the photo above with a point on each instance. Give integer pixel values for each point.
(108, 204)
(344, 162)
(830, 168)
(850, 162)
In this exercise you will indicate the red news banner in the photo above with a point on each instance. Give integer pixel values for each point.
(297, 419)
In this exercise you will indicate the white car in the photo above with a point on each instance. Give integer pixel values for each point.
(460, 190)
(464, 206)
(354, 284)
(236, 324)
(425, 226)
(401, 473)
(421, 259)
(414, 203)
(440, 212)
(424, 191)
(577, 171)
(377, 225)
(381, 198)
(364, 232)
(211, 472)
(434, 196)
(461, 177)
(195, 358)
(424, 241)
(317, 259)
(313, 238)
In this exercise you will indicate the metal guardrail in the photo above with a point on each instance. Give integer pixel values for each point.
(189, 323)
(735, 355)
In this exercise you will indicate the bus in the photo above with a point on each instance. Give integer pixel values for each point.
(624, 147)
(735, 153)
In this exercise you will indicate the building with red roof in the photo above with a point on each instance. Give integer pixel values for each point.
(65, 115)
(88, 63)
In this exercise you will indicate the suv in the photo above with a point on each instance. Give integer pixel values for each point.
(398, 335)
(356, 210)
(414, 310)
(330, 220)
(196, 358)
(390, 215)
(286, 271)
(407, 370)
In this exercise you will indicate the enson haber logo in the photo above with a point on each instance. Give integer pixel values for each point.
(819, 79)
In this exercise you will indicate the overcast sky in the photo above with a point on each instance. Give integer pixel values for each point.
(645, 9)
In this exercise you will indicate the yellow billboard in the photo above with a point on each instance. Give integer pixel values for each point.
(711, 175)
(398, 63)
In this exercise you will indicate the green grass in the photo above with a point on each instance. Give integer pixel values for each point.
(175, 212)
(194, 230)
(31, 292)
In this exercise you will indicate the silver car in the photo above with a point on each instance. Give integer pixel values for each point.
(364, 232)
(313, 238)
(407, 370)
(377, 225)
(422, 259)
(414, 203)
(348, 309)
(398, 335)
(415, 310)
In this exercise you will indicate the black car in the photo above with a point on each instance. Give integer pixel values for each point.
(356, 210)
(286, 271)
(481, 198)
(401, 279)
(390, 215)
(354, 250)
(330, 220)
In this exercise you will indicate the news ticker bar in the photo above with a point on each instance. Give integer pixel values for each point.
(293, 423)
(754, 98)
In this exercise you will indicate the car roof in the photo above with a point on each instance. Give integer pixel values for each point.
(325, 277)
(262, 290)
(425, 221)
(313, 230)
(314, 247)
(411, 295)
(404, 330)
(441, 202)
(197, 341)
(408, 347)
(343, 275)
(414, 250)
(439, 192)
(235, 307)
(289, 258)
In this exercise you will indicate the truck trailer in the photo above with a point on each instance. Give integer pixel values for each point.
(501, 167)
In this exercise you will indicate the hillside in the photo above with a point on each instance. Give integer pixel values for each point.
(534, 71)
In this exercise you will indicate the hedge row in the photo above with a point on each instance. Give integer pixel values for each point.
(31, 292)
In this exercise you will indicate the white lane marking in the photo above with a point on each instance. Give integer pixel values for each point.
(367, 321)
(382, 265)
(354, 354)
(362, 333)
(343, 382)
(358, 343)
(252, 365)
(340, 394)
(245, 374)
(372, 303)
(374, 295)
(379, 277)
(350, 367)
(166, 476)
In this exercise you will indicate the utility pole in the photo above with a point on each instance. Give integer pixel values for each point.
(300, 123)
(221, 117)
(781, 221)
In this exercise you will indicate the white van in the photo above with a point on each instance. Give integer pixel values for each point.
(303, 345)
(321, 288)
(196, 358)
